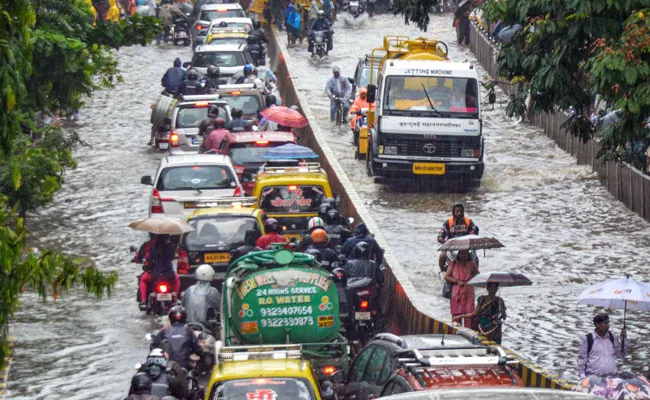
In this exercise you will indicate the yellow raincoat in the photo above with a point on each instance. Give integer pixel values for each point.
(113, 13)
(92, 10)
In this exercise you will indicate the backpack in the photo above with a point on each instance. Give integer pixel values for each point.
(590, 341)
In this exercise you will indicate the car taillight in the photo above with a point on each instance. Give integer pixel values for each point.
(292, 188)
(198, 27)
(364, 304)
(156, 203)
(162, 288)
(329, 370)
(174, 140)
(261, 143)
(238, 192)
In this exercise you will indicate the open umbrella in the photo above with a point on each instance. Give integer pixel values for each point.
(289, 151)
(624, 293)
(285, 116)
(161, 226)
(504, 279)
(470, 242)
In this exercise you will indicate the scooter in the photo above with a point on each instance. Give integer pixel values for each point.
(180, 32)
(367, 317)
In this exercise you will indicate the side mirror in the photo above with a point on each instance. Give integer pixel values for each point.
(146, 180)
(372, 93)
(187, 64)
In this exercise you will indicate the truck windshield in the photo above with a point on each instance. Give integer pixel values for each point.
(448, 95)
(218, 58)
(217, 231)
(249, 104)
(291, 199)
(264, 389)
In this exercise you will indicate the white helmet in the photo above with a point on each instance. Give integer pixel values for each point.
(205, 272)
(315, 222)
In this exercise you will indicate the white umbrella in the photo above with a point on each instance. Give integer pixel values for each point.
(161, 225)
(619, 294)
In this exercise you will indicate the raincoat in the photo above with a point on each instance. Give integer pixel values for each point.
(92, 10)
(174, 77)
(293, 20)
(198, 299)
(359, 103)
(113, 13)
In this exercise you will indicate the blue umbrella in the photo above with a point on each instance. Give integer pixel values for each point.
(289, 151)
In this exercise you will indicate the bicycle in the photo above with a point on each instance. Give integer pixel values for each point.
(340, 111)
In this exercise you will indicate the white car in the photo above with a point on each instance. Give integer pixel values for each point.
(185, 118)
(211, 12)
(183, 181)
(230, 58)
(244, 24)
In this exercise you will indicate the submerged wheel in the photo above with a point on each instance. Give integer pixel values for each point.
(370, 170)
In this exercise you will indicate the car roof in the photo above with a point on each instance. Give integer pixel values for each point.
(197, 159)
(212, 98)
(222, 6)
(265, 368)
(272, 136)
(493, 393)
(219, 47)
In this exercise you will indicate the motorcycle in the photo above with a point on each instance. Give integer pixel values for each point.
(356, 8)
(367, 318)
(180, 32)
(207, 340)
(161, 297)
(161, 138)
(319, 44)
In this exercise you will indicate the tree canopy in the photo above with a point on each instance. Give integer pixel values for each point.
(51, 57)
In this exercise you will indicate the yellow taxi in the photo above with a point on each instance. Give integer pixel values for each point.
(219, 227)
(219, 35)
(292, 194)
(265, 373)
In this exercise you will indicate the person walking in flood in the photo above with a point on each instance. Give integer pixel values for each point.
(460, 271)
(490, 311)
(600, 349)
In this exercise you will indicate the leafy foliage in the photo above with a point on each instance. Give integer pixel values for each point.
(415, 11)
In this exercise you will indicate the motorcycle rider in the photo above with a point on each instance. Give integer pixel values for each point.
(250, 240)
(359, 103)
(140, 388)
(166, 15)
(169, 378)
(320, 24)
(272, 228)
(361, 266)
(212, 84)
(182, 339)
(191, 86)
(255, 50)
(174, 77)
(160, 263)
(336, 227)
(362, 234)
(338, 86)
(457, 225)
(207, 124)
(248, 71)
(198, 299)
(260, 38)
(214, 139)
(313, 224)
(237, 123)
(320, 242)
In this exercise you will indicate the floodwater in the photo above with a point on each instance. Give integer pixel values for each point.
(560, 228)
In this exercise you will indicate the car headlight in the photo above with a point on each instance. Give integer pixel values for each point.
(467, 153)
(390, 149)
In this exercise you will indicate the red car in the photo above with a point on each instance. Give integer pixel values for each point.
(246, 150)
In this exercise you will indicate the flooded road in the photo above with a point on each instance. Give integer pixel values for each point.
(560, 228)
(559, 225)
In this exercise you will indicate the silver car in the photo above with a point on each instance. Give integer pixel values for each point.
(185, 118)
(209, 13)
(230, 58)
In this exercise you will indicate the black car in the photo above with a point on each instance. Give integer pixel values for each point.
(391, 364)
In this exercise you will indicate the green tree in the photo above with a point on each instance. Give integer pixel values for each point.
(51, 57)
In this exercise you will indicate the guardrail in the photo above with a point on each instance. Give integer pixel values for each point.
(401, 304)
(626, 183)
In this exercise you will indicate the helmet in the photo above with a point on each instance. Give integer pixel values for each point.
(336, 69)
(205, 273)
(315, 222)
(321, 13)
(248, 68)
(362, 251)
(333, 217)
(213, 71)
(177, 314)
(271, 225)
(156, 363)
(331, 202)
(256, 24)
(319, 236)
(213, 111)
(313, 252)
(250, 40)
(323, 209)
(236, 112)
(192, 75)
(141, 383)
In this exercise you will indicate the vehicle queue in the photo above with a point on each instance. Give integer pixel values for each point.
(274, 295)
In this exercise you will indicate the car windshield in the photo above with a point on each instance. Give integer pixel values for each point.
(244, 26)
(218, 231)
(219, 58)
(195, 177)
(364, 76)
(249, 104)
(191, 117)
(448, 95)
(291, 199)
(209, 15)
(264, 389)
(247, 153)
(227, 40)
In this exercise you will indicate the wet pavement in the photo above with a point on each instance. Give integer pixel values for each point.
(560, 228)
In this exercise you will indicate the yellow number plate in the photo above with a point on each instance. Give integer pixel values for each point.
(291, 236)
(428, 169)
(216, 257)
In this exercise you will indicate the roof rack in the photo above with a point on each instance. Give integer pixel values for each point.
(276, 170)
(257, 352)
(234, 202)
(449, 357)
(241, 86)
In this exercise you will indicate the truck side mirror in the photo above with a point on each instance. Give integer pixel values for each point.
(372, 93)
(187, 64)
(146, 180)
(351, 80)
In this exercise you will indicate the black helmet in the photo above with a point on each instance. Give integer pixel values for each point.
(333, 217)
(141, 384)
(213, 111)
(331, 202)
(323, 210)
(256, 24)
(213, 71)
(177, 314)
(271, 225)
(251, 39)
(362, 251)
(192, 75)
(270, 99)
(313, 252)
(236, 112)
